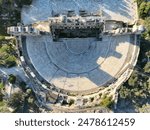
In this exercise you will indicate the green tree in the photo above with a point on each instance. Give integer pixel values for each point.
(2, 38)
(16, 101)
(1, 86)
(22, 85)
(7, 55)
(133, 80)
(12, 79)
(1, 96)
(106, 102)
(144, 9)
(71, 102)
(148, 56)
(124, 92)
(20, 3)
(10, 61)
(147, 68)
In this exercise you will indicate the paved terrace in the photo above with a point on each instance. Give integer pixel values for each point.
(79, 64)
(40, 10)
